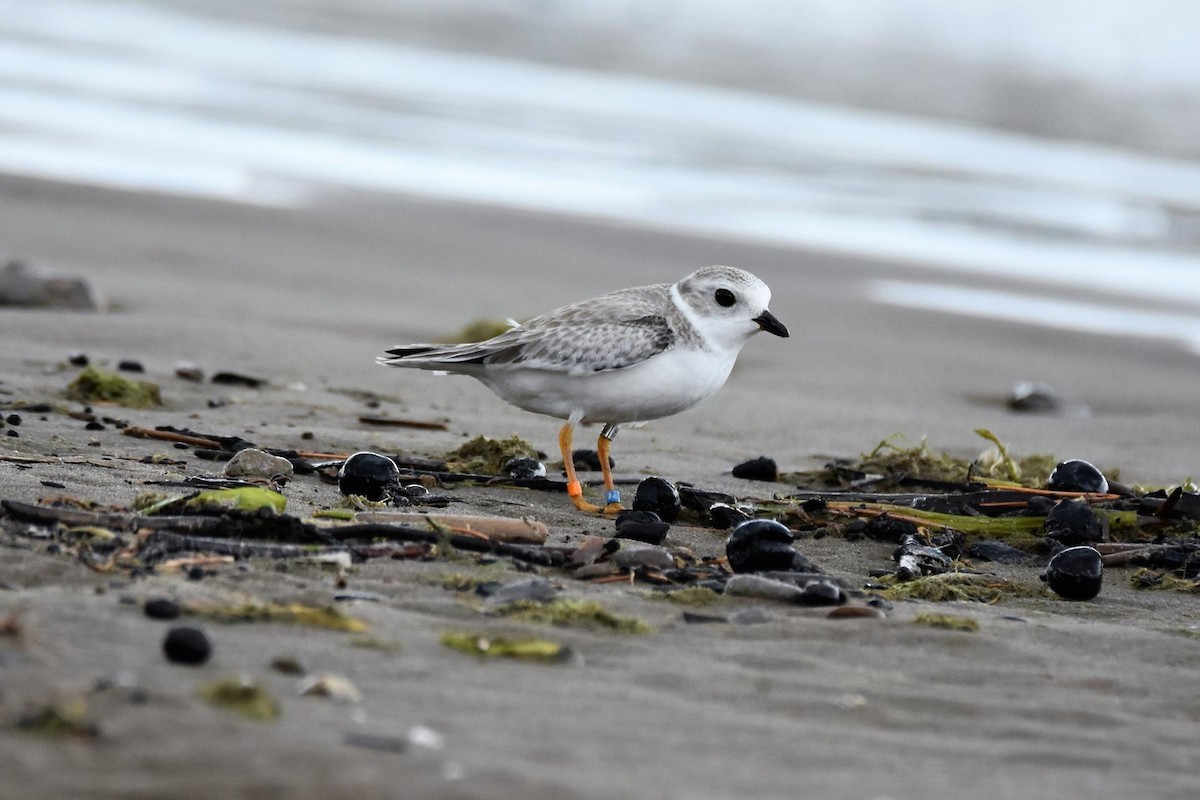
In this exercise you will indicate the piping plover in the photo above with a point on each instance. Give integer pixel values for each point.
(623, 357)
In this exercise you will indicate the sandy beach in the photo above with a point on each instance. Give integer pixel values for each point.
(1047, 698)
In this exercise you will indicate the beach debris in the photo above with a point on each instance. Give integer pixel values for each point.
(760, 545)
(949, 622)
(566, 611)
(226, 378)
(187, 645)
(162, 608)
(642, 526)
(1075, 573)
(78, 358)
(488, 456)
(524, 469)
(1072, 522)
(1077, 475)
(242, 695)
(1147, 578)
(130, 365)
(757, 469)
(241, 498)
(688, 596)
(63, 716)
(955, 586)
(658, 496)
(523, 648)
(914, 559)
(288, 665)
(750, 616)
(494, 529)
(255, 464)
(821, 593)
(94, 385)
(396, 422)
(370, 475)
(337, 688)
(376, 741)
(999, 552)
(187, 371)
(20, 286)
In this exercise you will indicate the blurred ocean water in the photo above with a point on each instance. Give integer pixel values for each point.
(161, 98)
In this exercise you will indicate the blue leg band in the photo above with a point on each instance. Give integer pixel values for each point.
(613, 496)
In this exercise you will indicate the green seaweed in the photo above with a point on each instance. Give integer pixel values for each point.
(956, 586)
(1146, 578)
(566, 611)
(327, 617)
(97, 386)
(242, 695)
(946, 622)
(487, 456)
(523, 648)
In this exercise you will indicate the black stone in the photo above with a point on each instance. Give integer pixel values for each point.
(1071, 523)
(11, 432)
(368, 475)
(1075, 573)
(658, 495)
(589, 460)
(78, 359)
(1077, 476)
(185, 645)
(162, 608)
(997, 551)
(94, 426)
(13, 419)
(1034, 398)
(196, 573)
(524, 468)
(725, 516)
(822, 593)
(757, 469)
(641, 526)
(760, 545)
(129, 365)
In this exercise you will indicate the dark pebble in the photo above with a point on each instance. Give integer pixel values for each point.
(1072, 522)
(78, 359)
(13, 419)
(998, 552)
(642, 526)
(724, 516)
(886, 529)
(589, 460)
(129, 365)
(524, 469)
(368, 475)
(95, 426)
(760, 545)
(196, 573)
(162, 608)
(187, 646)
(236, 379)
(658, 495)
(1075, 573)
(1077, 475)
(822, 593)
(12, 433)
(757, 469)
(1034, 398)
(882, 603)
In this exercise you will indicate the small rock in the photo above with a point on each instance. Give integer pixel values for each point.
(821, 593)
(997, 551)
(856, 612)
(19, 286)
(186, 370)
(658, 495)
(130, 365)
(724, 516)
(368, 475)
(757, 469)
(77, 359)
(252, 463)
(162, 608)
(884, 528)
(1075, 573)
(1077, 475)
(635, 554)
(766, 588)
(13, 419)
(760, 545)
(236, 379)
(750, 616)
(534, 588)
(1073, 522)
(1034, 398)
(524, 469)
(185, 645)
(335, 687)
(641, 526)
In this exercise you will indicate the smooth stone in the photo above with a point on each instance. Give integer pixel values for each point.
(856, 612)
(186, 645)
(162, 608)
(760, 545)
(641, 526)
(821, 593)
(368, 475)
(765, 588)
(635, 554)
(1072, 522)
(757, 469)
(535, 589)
(658, 495)
(253, 463)
(1077, 475)
(750, 616)
(1076, 573)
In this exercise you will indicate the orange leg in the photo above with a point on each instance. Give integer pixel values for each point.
(573, 488)
(612, 497)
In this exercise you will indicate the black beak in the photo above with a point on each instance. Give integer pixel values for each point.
(766, 320)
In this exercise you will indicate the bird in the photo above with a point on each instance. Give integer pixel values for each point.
(623, 358)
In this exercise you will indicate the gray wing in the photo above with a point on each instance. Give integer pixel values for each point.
(613, 331)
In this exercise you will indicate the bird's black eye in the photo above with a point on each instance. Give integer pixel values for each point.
(724, 297)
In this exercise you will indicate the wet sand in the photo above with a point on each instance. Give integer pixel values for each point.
(1081, 700)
